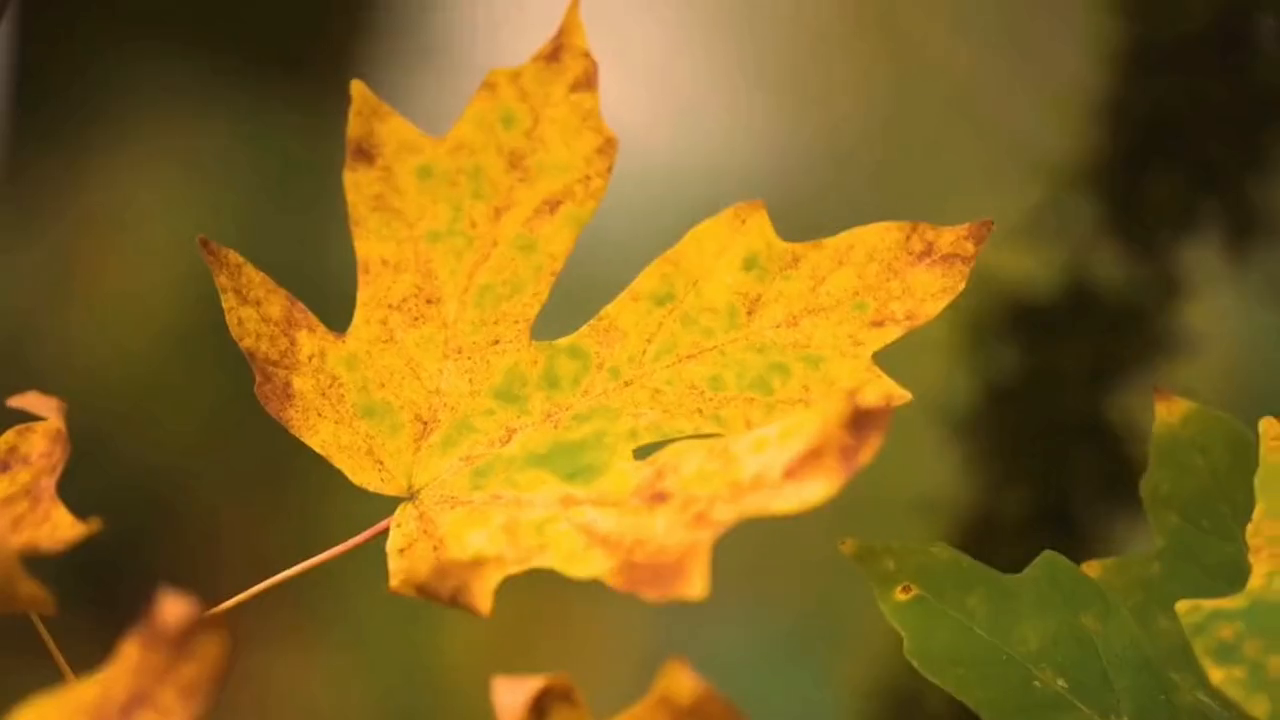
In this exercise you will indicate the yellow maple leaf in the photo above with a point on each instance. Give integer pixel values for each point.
(514, 454)
(168, 666)
(677, 693)
(33, 521)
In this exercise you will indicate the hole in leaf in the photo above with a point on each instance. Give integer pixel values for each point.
(642, 452)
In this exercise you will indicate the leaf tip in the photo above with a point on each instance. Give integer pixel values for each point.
(571, 36)
(1169, 408)
(40, 404)
(172, 609)
(848, 547)
(209, 250)
(1269, 437)
(358, 89)
(980, 230)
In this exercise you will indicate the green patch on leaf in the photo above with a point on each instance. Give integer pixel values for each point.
(512, 389)
(458, 432)
(455, 235)
(564, 367)
(482, 473)
(766, 381)
(487, 296)
(507, 118)
(524, 243)
(733, 318)
(812, 361)
(663, 297)
(579, 461)
(381, 414)
(478, 183)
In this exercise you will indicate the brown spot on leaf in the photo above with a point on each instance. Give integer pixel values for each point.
(683, 575)
(904, 592)
(862, 434)
(586, 81)
(361, 151)
(553, 51)
(516, 160)
(609, 148)
(657, 497)
(869, 422)
(549, 206)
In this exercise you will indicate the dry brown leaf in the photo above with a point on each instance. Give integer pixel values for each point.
(677, 693)
(168, 666)
(33, 520)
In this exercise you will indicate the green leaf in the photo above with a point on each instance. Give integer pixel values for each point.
(1098, 641)
(1237, 638)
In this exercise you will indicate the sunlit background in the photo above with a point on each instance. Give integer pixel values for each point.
(1123, 147)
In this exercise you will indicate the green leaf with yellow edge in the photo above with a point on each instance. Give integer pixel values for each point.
(33, 520)
(677, 693)
(1237, 638)
(1102, 640)
(169, 666)
(514, 454)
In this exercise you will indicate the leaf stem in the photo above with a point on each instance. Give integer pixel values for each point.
(52, 647)
(311, 562)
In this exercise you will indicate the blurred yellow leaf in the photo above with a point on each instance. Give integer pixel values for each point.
(677, 693)
(33, 521)
(514, 454)
(168, 666)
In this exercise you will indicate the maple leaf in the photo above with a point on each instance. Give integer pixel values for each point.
(1099, 640)
(514, 454)
(33, 521)
(168, 666)
(1237, 638)
(677, 693)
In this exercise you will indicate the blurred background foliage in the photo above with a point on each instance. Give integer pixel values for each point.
(1124, 147)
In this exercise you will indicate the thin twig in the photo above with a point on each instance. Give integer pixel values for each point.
(305, 565)
(52, 647)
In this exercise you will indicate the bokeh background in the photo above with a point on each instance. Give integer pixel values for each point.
(1124, 147)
